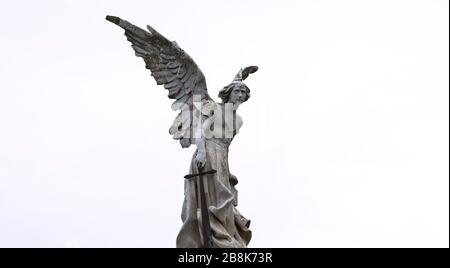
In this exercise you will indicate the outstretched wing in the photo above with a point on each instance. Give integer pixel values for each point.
(170, 66)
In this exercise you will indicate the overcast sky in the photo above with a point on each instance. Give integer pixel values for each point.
(345, 141)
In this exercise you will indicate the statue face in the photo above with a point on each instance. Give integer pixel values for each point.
(238, 95)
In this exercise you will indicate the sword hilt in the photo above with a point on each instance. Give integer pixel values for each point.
(189, 176)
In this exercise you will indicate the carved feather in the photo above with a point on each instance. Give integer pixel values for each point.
(168, 63)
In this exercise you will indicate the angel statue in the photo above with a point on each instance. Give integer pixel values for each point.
(209, 214)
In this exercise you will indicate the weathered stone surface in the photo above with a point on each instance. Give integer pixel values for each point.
(209, 214)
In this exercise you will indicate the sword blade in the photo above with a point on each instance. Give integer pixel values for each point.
(206, 227)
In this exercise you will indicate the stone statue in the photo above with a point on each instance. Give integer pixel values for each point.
(209, 214)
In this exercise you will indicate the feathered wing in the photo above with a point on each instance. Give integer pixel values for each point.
(171, 67)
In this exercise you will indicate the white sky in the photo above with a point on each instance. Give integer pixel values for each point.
(345, 140)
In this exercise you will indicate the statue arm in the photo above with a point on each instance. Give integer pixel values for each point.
(200, 157)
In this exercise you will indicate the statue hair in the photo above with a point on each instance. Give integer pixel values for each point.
(224, 93)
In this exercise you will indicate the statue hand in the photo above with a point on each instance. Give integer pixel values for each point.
(233, 179)
(200, 159)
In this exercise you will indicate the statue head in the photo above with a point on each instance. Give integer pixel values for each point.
(237, 92)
